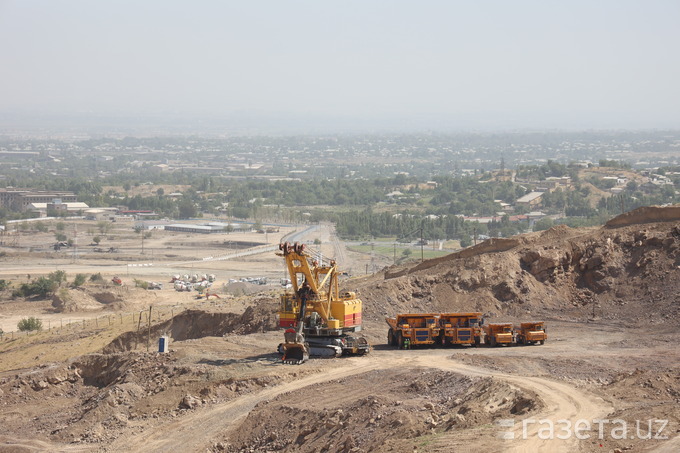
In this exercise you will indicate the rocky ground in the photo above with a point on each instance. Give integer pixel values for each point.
(609, 296)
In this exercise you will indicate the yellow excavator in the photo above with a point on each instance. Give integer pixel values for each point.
(319, 321)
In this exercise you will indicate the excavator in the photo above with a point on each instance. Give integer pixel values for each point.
(319, 320)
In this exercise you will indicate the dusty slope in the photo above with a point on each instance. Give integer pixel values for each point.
(626, 270)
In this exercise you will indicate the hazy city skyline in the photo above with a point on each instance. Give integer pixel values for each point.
(384, 64)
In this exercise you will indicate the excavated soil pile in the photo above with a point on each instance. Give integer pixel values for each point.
(191, 324)
(351, 414)
(96, 396)
(105, 297)
(626, 270)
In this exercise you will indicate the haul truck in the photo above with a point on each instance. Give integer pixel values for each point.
(499, 334)
(460, 328)
(413, 329)
(531, 333)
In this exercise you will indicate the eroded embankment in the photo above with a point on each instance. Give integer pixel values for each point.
(193, 324)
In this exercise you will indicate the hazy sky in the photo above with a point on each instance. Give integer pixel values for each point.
(505, 63)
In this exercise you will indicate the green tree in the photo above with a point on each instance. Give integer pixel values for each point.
(187, 209)
(96, 240)
(544, 224)
(29, 324)
(58, 277)
(79, 280)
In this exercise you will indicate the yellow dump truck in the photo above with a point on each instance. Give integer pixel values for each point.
(531, 333)
(460, 328)
(413, 329)
(497, 334)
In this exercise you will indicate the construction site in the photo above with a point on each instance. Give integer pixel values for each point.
(564, 340)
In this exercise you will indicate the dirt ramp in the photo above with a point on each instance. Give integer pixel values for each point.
(646, 214)
(380, 411)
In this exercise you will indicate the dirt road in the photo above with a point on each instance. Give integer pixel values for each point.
(196, 431)
(562, 402)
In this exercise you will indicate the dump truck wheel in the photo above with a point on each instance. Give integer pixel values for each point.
(390, 337)
(541, 342)
(400, 340)
(493, 341)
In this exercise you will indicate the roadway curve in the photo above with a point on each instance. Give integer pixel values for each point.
(195, 431)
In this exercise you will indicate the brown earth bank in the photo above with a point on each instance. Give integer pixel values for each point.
(609, 296)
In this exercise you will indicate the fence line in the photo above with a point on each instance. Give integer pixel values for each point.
(68, 325)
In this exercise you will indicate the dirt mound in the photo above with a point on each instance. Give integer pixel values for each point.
(242, 288)
(646, 214)
(355, 416)
(567, 273)
(72, 300)
(108, 297)
(68, 300)
(191, 324)
(100, 395)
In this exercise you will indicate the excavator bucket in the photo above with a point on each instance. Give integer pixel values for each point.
(295, 353)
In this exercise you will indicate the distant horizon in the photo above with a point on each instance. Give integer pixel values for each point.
(281, 123)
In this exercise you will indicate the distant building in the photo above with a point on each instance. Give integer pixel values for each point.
(21, 199)
(56, 206)
(208, 228)
(139, 213)
(530, 200)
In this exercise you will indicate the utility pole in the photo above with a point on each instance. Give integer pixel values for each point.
(75, 242)
(421, 240)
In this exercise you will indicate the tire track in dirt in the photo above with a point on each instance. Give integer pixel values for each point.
(194, 432)
(672, 446)
(13, 445)
(562, 401)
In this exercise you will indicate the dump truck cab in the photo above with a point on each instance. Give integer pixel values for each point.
(499, 334)
(531, 333)
(460, 328)
(413, 329)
